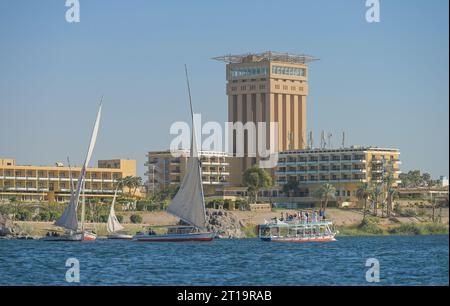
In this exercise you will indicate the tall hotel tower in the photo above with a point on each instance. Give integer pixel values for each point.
(268, 87)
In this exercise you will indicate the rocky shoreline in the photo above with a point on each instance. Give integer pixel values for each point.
(224, 224)
(9, 231)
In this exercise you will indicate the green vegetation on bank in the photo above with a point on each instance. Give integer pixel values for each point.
(250, 231)
(371, 227)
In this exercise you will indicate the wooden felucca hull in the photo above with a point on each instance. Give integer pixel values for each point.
(175, 237)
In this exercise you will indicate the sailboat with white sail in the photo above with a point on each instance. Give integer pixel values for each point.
(113, 226)
(189, 202)
(69, 220)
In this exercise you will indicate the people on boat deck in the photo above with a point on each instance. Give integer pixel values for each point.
(302, 216)
(52, 234)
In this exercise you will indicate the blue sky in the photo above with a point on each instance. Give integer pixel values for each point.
(385, 84)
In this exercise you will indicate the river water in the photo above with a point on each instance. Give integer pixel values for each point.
(415, 260)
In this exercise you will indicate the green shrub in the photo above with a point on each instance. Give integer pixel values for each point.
(54, 215)
(43, 216)
(153, 207)
(241, 203)
(24, 215)
(250, 231)
(216, 203)
(141, 206)
(407, 229)
(228, 204)
(164, 204)
(103, 218)
(435, 229)
(136, 219)
(369, 226)
(119, 218)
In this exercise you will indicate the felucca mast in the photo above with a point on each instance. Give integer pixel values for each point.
(191, 108)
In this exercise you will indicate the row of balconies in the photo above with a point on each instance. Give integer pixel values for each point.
(212, 161)
(215, 163)
(59, 190)
(55, 179)
(317, 181)
(52, 175)
(379, 161)
(319, 158)
(321, 171)
(309, 162)
(216, 173)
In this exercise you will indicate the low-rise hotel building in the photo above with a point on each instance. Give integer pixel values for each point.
(344, 168)
(165, 170)
(52, 183)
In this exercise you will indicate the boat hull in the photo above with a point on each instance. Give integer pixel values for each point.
(299, 239)
(81, 236)
(65, 237)
(88, 236)
(175, 237)
(120, 236)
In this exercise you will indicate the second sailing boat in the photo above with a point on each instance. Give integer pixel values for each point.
(113, 226)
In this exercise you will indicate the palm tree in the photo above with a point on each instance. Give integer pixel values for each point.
(375, 196)
(16, 206)
(390, 192)
(137, 183)
(363, 193)
(325, 193)
(132, 183)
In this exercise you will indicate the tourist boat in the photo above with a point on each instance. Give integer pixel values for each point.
(297, 231)
(113, 225)
(68, 220)
(189, 202)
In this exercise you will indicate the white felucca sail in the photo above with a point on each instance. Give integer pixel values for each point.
(113, 225)
(189, 202)
(68, 219)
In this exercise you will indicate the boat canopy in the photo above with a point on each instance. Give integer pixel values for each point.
(298, 225)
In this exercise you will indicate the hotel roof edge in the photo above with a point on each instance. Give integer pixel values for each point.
(267, 55)
(318, 150)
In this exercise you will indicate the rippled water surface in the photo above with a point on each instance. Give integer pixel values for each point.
(419, 260)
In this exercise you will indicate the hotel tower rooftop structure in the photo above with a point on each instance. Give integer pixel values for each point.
(267, 56)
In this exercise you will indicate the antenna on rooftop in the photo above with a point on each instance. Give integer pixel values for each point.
(343, 139)
(329, 140)
(322, 140)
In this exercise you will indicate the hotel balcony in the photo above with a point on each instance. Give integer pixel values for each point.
(377, 161)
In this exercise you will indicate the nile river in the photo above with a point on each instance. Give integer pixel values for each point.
(417, 260)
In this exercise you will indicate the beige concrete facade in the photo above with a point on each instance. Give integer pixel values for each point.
(267, 87)
(52, 183)
(165, 170)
